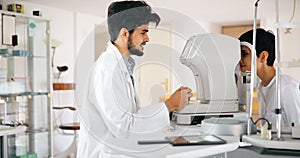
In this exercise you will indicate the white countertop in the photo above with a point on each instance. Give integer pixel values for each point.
(129, 146)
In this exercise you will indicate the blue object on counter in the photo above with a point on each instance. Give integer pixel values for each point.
(21, 53)
(3, 51)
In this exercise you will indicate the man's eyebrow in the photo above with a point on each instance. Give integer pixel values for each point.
(145, 30)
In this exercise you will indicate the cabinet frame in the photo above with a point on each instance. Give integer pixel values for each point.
(31, 93)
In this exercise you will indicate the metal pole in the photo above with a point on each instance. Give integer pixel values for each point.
(278, 110)
(253, 69)
(49, 85)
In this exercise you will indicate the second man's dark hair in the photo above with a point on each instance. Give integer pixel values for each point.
(265, 41)
(129, 15)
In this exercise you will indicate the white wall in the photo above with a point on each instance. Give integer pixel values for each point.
(288, 42)
(85, 49)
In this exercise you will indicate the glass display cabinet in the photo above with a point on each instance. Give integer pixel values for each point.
(25, 103)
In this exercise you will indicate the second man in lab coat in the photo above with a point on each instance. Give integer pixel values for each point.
(290, 88)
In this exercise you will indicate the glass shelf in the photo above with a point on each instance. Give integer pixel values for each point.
(24, 94)
(37, 130)
(6, 130)
(13, 56)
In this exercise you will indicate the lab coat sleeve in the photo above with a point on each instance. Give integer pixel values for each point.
(291, 103)
(113, 101)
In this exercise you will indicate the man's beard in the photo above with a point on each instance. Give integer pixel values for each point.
(132, 50)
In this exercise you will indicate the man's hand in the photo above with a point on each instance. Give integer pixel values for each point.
(179, 99)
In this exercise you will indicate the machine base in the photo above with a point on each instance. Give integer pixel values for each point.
(296, 132)
(288, 143)
(193, 119)
(194, 113)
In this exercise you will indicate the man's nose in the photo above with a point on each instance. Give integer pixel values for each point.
(146, 38)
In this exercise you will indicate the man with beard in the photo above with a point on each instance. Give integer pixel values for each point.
(112, 109)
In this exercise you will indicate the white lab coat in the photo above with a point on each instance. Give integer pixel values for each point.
(290, 101)
(111, 109)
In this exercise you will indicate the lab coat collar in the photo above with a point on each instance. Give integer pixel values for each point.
(271, 82)
(115, 51)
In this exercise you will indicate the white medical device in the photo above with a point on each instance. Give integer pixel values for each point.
(212, 58)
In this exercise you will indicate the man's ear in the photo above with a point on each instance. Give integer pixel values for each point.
(263, 56)
(124, 33)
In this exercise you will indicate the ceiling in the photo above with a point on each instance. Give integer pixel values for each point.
(214, 11)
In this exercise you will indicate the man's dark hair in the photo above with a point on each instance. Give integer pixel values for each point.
(265, 41)
(129, 15)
